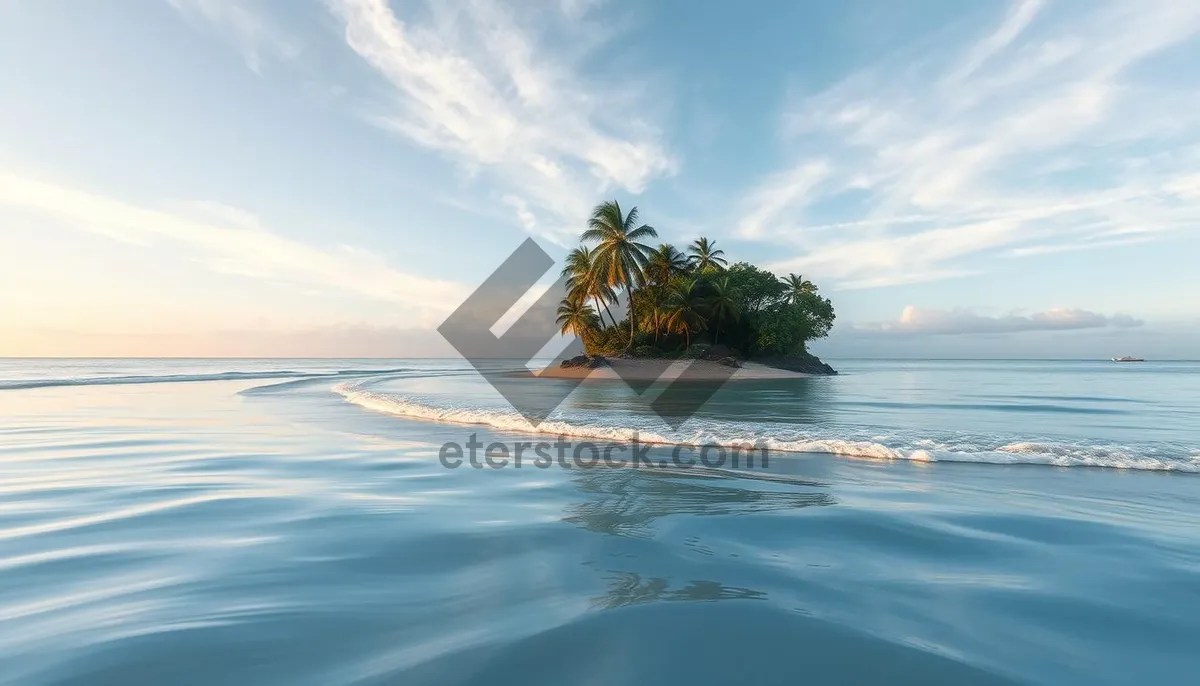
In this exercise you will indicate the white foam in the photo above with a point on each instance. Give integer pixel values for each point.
(504, 420)
(779, 438)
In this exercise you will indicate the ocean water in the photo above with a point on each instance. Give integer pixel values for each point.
(292, 522)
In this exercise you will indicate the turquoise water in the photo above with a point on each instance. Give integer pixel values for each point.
(289, 521)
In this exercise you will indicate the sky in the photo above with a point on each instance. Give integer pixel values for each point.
(332, 178)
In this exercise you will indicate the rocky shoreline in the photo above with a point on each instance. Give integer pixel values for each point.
(803, 364)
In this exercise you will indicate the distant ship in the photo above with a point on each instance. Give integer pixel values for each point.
(1127, 359)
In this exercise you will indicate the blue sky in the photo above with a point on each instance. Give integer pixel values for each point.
(224, 177)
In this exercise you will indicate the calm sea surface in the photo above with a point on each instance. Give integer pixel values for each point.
(290, 522)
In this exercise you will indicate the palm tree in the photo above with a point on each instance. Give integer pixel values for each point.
(576, 317)
(656, 312)
(665, 263)
(704, 257)
(653, 319)
(583, 280)
(683, 309)
(721, 306)
(619, 258)
(797, 288)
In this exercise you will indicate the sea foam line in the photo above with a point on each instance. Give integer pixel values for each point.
(1013, 453)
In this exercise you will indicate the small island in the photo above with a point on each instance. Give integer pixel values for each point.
(692, 305)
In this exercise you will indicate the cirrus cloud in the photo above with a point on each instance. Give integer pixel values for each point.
(1053, 131)
(480, 83)
(232, 241)
(244, 25)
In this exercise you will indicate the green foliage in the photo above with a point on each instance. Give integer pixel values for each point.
(684, 308)
(678, 301)
(577, 317)
(787, 326)
(818, 313)
(704, 258)
(644, 350)
(584, 280)
(796, 287)
(619, 260)
(664, 264)
(609, 341)
(756, 289)
(723, 307)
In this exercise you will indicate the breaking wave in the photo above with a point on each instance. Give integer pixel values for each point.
(781, 437)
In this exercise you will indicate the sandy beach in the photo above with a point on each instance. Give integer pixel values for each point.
(650, 369)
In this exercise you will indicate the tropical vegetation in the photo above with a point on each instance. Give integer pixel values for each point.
(676, 298)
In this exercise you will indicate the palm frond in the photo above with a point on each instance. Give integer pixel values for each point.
(642, 232)
(630, 219)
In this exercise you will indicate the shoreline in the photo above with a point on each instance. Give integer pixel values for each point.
(649, 370)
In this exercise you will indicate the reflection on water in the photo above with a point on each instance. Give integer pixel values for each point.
(796, 401)
(802, 401)
(629, 588)
(627, 501)
(200, 533)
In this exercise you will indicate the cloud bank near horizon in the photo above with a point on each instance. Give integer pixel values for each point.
(915, 321)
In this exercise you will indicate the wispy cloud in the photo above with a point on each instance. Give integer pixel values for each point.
(780, 193)
(328, 341)
(245, 25)
(1048, 131)
(233, 241)
(1019, 17)
(924, 321)
(485, 87)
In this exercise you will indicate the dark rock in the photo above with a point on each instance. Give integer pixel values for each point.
(805, 363)
(711, 352)
(729, 362)
(584, 362)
